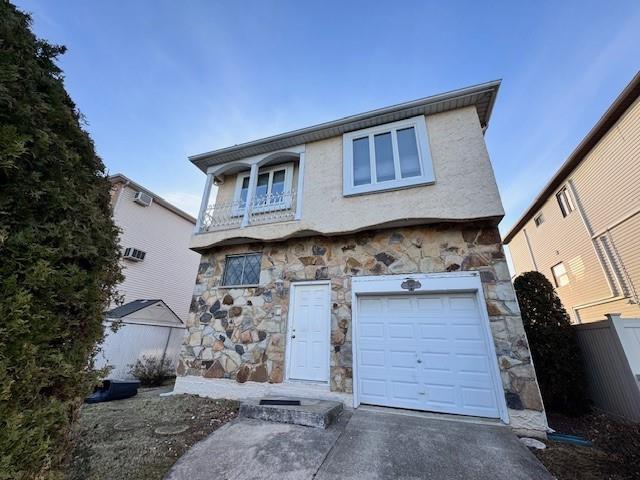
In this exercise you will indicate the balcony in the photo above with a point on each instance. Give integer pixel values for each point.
(256, 191)
(271, 208)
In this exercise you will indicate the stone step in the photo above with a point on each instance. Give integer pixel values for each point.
(310, 412)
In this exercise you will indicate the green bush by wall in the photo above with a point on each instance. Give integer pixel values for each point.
(58, 254)
(554, 348)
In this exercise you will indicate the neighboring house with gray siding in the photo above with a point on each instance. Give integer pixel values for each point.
(157, 262)
(360, 259)
(582, 230)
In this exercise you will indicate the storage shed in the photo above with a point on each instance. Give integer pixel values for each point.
(148, 328)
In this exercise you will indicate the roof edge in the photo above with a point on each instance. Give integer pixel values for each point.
(618, 108)
(119, 177)
(452, 94)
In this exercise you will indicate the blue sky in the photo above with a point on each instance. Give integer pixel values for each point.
(159, 80)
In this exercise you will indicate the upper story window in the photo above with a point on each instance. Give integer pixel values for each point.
(242, 269)
(538, 220)
(565, 201)
(560, 275)
(385, 157)
(272, 190)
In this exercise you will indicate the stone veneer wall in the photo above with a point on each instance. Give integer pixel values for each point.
(240, 333)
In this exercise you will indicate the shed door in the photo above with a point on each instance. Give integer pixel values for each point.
(425, 352)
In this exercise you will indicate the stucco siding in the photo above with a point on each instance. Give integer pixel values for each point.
(169, 268)
(465, 188)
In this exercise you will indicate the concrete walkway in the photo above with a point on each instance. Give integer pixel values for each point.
(365, 444)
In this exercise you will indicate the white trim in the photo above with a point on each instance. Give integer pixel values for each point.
(467, 281)
(288, 180)
(300, 191)
(424, 155)
(287, 354)
(204, 203)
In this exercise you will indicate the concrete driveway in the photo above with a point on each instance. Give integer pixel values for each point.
(369, 443)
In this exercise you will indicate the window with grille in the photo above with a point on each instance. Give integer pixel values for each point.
(242, 269)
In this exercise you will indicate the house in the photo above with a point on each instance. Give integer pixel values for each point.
(157, 262)
(360, 259)
(582, 229)
(145, 328)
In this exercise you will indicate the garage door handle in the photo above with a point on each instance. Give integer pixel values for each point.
(419, 361)
(293, 336)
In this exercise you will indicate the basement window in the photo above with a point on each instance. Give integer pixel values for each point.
(242, 269)
(386, 157)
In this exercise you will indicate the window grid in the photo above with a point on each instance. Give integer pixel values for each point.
(242, 269)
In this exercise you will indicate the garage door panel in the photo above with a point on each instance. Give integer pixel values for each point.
(403, 331)
(425, 352)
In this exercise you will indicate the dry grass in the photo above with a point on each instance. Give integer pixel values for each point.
(118, 440)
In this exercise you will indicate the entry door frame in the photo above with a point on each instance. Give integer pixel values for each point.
(450, 282)
(290, 321)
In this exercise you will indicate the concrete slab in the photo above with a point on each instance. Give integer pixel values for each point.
(252, 449)
(363, 444)
(310, 412)
(378, 445)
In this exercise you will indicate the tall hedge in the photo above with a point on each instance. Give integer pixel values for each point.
(58, 254)
(553, 345)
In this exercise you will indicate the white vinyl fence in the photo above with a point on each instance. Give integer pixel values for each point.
(132, 341)
(611, 353)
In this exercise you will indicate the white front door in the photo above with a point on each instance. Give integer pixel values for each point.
(309, 332)
(426, 352)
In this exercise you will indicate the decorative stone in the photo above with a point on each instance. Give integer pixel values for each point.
(261, 335)
(227, 300)
(385, 258)
(311, 260)
(220, 314)
(259, 374)
(277, 374)
(243, 374)
(245, 336)
(215, 371)
(240, 349)
(318, 250)
(533, 443)
(513, 401)
(215, 307)
(322, 273)
(235, 311)
(205, 318)
(218, 346)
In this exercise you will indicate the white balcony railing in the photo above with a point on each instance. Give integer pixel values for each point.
(272, 208)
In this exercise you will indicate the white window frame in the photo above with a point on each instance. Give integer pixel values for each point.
(565, 202)
(238, 209)
(556, 278)
(422, 140)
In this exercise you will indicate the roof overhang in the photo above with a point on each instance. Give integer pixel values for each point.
(610, 117)
(482, 96)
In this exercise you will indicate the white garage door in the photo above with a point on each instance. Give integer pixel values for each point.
(426, 352)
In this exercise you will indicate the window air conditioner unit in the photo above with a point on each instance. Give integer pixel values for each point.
(143, 199)
(134, 254)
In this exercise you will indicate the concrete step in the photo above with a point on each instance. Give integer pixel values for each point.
(310, 412)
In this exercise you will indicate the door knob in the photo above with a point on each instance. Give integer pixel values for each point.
(293, 336)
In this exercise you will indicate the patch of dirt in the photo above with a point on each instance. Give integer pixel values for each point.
(614, 456)
(119, 440)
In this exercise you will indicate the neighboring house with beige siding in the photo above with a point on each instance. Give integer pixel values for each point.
(360, 260)
(157, 262)
(583, 230)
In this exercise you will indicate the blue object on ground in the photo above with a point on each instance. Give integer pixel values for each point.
(560, 437)
(114, 390)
